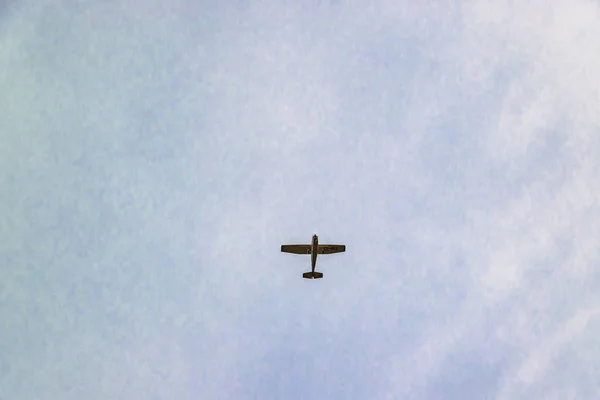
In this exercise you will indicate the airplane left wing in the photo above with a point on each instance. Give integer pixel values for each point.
(296, 248)
(331, 248)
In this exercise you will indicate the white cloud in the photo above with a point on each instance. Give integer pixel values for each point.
(539, 141)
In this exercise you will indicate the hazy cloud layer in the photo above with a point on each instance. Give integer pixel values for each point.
(154, 156)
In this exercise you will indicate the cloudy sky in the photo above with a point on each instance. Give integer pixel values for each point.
(155, 155)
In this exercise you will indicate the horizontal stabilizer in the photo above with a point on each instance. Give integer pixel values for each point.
(312, 275)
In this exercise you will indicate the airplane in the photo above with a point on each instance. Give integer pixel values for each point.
(313, 249)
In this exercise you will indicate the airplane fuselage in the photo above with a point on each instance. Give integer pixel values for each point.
(314, 251)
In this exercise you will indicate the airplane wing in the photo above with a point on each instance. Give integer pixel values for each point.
(296, 248)
(331, 248)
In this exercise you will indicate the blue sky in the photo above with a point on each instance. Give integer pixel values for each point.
(155, 155)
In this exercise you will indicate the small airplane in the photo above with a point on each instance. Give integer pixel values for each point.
(313, 249)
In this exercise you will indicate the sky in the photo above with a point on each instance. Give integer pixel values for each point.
(154, 156)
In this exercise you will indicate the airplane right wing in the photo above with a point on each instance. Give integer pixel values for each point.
(296, 248)
(331, 248)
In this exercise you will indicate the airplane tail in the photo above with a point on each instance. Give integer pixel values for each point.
(312, 275)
